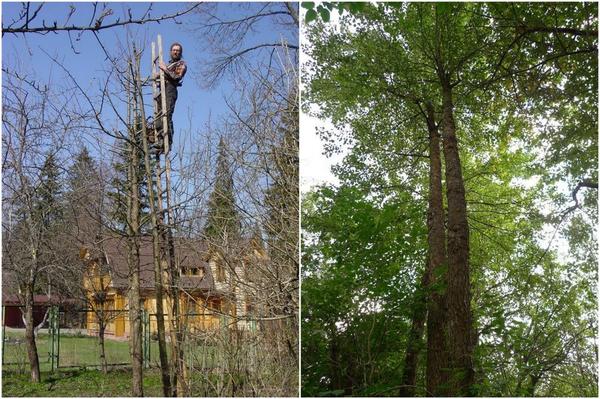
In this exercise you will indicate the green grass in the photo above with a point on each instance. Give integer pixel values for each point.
(79, 383)
(84, 351)
(75, 351)
(83, 379)
(79, 373)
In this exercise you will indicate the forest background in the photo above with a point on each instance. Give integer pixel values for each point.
(457, 253)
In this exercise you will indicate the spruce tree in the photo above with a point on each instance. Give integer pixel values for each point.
(85, 197)
(119, 191)
(281, 199)
(281, 203)
(47, 195)
(223, 226)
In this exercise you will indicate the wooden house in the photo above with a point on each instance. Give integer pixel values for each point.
(210, 294)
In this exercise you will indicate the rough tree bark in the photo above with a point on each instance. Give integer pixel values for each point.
(459, 289)
(437, 351)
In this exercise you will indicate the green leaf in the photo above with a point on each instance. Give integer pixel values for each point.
(311, 15)
(309, 5)
(329, 5)
(324, 13)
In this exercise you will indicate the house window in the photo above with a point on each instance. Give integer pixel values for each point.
(220, 273)
(215, 304)
(192, 271)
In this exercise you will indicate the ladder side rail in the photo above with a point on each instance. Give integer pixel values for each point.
(155, 91)
(163, 98)
(159, 170)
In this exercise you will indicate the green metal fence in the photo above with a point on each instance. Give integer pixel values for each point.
(206, 346)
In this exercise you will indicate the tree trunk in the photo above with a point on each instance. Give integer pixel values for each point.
(133, 260)
(32, 352)
(101, 330)
(436, 374)
(180, 384)
(459, 289)
(415, 338)
(160, 326)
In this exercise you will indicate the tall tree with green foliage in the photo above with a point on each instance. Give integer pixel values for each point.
(464, 69)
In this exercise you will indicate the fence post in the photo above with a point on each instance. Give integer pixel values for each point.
(3, 330)
(57, 309)
(53, 341)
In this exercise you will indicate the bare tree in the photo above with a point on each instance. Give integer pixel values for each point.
(229, 38)
(36, 124)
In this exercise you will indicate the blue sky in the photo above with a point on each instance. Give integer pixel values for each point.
(195, 104)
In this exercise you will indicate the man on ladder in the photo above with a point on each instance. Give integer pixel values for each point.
(174, 73)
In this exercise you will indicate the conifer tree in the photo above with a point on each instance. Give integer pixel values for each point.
(281, 203)
(48, 205)
(223, 226)
(119, 189)
(281, 199)
(85, 197)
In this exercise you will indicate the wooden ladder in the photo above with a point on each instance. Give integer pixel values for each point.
(166, 218)
(158, 99)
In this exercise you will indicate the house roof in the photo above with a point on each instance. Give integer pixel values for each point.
(188, 253)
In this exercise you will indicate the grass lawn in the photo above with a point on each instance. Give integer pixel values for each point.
(79, 383)
(75, 351)
(83, 351)
(79, 373)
